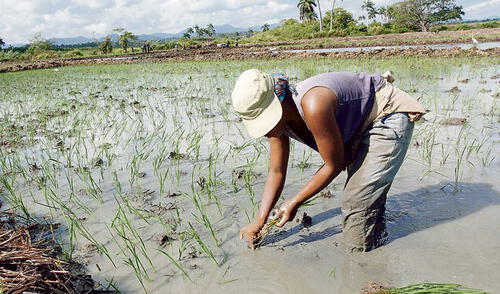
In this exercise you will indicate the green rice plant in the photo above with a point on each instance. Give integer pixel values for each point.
(304, 162)
(124, 228)
(203, 246)
(15, 200)
(176, 264)
(202, 218)
(158, 161)
(212, 182)
(194, 140)
(248, 179)
(87, 235)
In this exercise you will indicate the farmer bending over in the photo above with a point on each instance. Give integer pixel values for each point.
(356, 121)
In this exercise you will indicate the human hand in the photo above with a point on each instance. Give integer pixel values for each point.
(251, 233)
(287, 212)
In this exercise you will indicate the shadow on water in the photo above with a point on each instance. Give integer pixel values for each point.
(409, 212)
(417, 210)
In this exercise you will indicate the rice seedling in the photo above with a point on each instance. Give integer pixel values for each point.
(203, 246)
(174, 262)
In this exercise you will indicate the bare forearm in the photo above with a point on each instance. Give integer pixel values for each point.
(319, 181)
(272, 190)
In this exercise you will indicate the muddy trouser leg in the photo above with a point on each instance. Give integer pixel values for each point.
(370, 176)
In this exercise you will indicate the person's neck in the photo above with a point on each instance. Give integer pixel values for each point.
(291, 111)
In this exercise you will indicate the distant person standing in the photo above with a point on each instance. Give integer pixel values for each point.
(146, 47)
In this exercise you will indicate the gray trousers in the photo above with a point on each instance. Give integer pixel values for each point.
(370, 175)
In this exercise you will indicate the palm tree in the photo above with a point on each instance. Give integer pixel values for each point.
(306, 9)
(125, 39)
(106, 46)
(1, 43)
(320, 18)
(199, 31)
(189, 31)
(210, 30)
(370, 8)
(265, 27)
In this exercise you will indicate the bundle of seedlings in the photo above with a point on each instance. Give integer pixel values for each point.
(29, 263)
(306, 222)
(423, 288)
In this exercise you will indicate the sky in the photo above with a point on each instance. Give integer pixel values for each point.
(21, 19)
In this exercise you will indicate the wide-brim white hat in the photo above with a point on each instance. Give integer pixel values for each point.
(256, 103)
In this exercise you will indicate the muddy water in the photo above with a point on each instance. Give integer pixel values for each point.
(482, 46)
(443, 211)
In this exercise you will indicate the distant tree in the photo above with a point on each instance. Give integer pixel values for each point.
(125, 38)
(250, 32)
(190, 31)
(265, 27)
(1, 43)
(331, 15)
(342, 19)
(210, 30)
(186, 35)
(383, 11)
(106, 46)
(421, 14)
(40, 43)
(306, 10)
(370, 8)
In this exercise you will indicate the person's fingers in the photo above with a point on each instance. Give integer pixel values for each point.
(284, 220)
(250, 241)
(276, 214)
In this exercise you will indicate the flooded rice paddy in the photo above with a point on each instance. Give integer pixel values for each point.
(464, 46)
(151, 176)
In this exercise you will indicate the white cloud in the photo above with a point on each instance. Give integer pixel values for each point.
(21, 19)
(481, 5)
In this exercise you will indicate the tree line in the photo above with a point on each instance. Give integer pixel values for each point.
(411, 14)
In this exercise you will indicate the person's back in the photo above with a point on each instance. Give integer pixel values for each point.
(355, 94)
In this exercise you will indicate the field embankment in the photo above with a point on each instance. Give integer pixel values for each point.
(279, 49)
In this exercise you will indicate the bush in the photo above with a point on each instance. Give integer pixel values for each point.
(489, 25)
(290, 29)
(73, 53)
(9, 55)
(45, 55)
(376, 28)
(464, 27)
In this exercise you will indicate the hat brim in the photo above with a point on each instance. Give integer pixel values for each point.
(266, 121)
